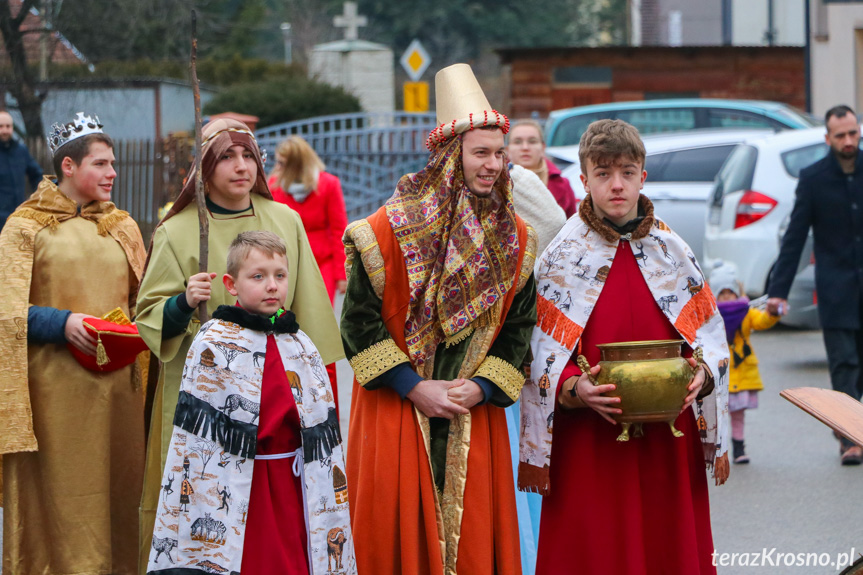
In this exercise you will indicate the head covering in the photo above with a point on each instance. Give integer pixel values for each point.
(217, 137)
(82, 125)
(460, 250)
(461, 105)
(724, 276)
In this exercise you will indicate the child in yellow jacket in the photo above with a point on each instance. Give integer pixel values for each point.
(740, 319)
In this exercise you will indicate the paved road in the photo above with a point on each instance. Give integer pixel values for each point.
(794, 497)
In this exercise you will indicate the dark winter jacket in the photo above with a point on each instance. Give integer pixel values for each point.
(15, 163)
(831, 203)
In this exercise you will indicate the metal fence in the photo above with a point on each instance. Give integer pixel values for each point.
(368, 152)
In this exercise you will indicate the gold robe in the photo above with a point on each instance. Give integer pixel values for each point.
(173, 260)
(73, 468)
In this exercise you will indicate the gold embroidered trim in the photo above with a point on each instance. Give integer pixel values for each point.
(377, 359)
(529, 259)
(44, 218)
(110, 221)
(360, 239)
(503, 374)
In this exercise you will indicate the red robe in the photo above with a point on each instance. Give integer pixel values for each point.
(634, 508)
(324, 218)
(275, 540)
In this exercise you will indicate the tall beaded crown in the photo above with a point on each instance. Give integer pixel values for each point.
(82, 125)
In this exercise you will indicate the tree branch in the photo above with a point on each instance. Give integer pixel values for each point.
(22, 13)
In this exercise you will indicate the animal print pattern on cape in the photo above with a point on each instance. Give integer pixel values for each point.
(207, 480)
(570, 276)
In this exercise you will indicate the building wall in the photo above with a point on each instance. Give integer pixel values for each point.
(368, 75)
(837, 56)
(548, 79)
(125, 113)
(702, 21)
(177, 107)
(749, 22)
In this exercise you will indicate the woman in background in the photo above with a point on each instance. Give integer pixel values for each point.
(527, 148)
(299, 180)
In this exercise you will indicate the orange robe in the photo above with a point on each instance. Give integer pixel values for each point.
(398, 524)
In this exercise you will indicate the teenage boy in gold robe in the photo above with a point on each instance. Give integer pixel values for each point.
(72, 439)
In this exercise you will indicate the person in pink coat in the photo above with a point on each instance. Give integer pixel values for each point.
(299, 180)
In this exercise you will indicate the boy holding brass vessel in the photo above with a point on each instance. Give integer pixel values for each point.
(618, 274)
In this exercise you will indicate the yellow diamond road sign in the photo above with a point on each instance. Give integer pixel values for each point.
(415, 60)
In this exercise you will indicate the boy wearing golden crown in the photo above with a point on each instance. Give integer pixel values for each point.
(614, 504)
(72, 439)
(436, 324)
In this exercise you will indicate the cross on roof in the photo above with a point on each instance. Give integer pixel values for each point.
(350, 20)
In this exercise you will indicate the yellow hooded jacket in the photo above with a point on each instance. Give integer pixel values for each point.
(744, 365)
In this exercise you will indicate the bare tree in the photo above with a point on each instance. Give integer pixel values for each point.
(205, 448)
(23, 85)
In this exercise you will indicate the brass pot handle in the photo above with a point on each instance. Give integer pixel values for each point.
(584, 366)
(698, 356)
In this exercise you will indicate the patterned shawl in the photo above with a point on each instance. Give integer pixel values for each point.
(47, 207)
(200, 522)
(460, 250)
(578, 260)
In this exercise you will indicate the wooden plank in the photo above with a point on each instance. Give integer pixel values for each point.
(838, 411)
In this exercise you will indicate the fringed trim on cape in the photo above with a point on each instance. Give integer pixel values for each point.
(533, 479)
(695, 313)
(553, 322)
(459, 337)
(109, 221)
(43, 218)
(320, 440)
(202, 419)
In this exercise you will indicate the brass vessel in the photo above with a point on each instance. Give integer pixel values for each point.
(651, 379)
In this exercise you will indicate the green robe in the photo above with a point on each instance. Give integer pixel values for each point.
(173, 260)
(362, 327)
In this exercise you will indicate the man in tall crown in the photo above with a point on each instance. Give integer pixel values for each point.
(436, 324)
(72, 438)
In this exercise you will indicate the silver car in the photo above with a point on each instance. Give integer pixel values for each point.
(749, 211)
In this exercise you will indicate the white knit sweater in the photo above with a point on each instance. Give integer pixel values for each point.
(536, 205)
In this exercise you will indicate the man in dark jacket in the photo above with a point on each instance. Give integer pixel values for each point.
(15, 163)
(830, 201)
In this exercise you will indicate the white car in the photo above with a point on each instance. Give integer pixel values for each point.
(680, 172)
(749, 211)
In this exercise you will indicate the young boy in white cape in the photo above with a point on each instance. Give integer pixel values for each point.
(254, 479)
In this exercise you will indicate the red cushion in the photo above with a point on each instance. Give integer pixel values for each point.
(117, 345)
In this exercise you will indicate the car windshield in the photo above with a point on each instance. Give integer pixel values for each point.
(695, 165)
(737, 172)
(796, 160)
(570, 130)
(795, 115)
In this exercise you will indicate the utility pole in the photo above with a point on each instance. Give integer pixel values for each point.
(286, 35)
(46, 14)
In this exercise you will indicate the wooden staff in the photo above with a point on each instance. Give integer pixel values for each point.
(203, 222)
